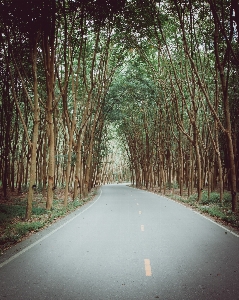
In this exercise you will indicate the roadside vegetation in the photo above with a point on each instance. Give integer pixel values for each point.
(160, 77)
(210, 205)
(221, 211)
(13, 226)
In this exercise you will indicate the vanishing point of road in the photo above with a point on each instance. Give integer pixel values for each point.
(125, 244)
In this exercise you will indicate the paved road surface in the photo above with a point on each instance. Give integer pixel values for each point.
(126, 244)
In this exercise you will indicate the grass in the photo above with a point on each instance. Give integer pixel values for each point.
(214, 197)
(13, 227)
(9, 212)
(213, 207)
(208, 205)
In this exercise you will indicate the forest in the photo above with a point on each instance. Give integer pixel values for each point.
(106, 91)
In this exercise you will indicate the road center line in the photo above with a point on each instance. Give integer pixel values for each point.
(196, 212)
(147, 267)
(140, 212)
(142, 227)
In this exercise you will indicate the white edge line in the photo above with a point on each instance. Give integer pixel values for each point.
(209, 219)
(205, 217)
(195, 211)
(46, 236)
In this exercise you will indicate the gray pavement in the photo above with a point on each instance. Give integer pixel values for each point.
(125, 244)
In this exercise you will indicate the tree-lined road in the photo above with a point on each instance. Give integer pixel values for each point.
(125, 244)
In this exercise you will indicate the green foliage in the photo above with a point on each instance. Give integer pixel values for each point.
(8, 212)
(29, 16)
(214, 198)
(23, 228)
(178, 198)
(150, 97)
(75, 204)
(193, 198)
(3, 217)
(213, 211)
(222, 213)
(213, 206)
(11, 211)
(8, 238)
(38, 211)
(227, 197)
(174, 185)
(101, 10)
(14, 228)
(14, 232)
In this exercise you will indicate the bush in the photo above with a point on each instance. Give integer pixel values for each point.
(214, 198)
(173, 185)
(227, 197)
(230, 219)
(213, 211)
(14, 232)
(193, 197)
(75, 204)
(23, 228)
(3, 218)
(11, 211)
(8, 239)
(38, 211)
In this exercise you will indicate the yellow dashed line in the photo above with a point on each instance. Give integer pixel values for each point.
(147, 267)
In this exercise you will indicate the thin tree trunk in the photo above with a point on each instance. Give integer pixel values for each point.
(228, 130)
(32, 181)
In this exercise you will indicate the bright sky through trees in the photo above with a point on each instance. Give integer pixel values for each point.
(162, 75)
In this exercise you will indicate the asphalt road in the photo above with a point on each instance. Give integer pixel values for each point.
(125, 244)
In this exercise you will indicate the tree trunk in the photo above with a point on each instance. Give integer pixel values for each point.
(51, 160)
(228, 130)
(32, 181)
(180, 165)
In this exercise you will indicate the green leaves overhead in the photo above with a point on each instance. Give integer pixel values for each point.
(29, 16)
(164, 73)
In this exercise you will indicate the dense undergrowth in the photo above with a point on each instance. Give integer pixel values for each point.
(13, 227)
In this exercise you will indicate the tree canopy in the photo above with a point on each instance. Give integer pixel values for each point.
(163, 74)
